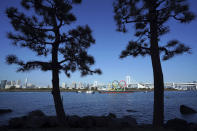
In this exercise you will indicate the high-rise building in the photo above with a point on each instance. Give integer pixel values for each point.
(3, 83)
(81, 86)
(26, 80)
(95, 83)
(18, 82)
(13, 83)
(128, 80)
(73, 85)
(8, 85)
(64, 85)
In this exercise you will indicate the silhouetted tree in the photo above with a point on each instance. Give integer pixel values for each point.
(150, 18)
(43, 33)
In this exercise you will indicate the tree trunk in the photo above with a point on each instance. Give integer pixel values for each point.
(158, 113)
(55, 90)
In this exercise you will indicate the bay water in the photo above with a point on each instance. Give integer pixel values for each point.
(138, 104)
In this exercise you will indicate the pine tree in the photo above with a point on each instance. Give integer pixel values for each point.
(46, 33)
(150, 19)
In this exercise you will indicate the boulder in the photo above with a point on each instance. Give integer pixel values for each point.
(37, 113)
(17, 122)
(177, 124)
(101, 121)
(34, 119)
(74, 121)
(111, 115)
(4, 111)
(131, 121)
(37, 119)
(124, 122)
(193, 127)
(131, 111)
(115, 123)
(87, 122)
(50, 121)
(186, 110)
(35, 122)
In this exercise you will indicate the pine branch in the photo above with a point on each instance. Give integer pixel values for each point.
(135, 49)
(159, 3)
(173, 48)
(25, 21)
(134, 21)
(12, 59)
(184, 19)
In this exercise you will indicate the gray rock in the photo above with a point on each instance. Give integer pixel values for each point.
(131, 121)
(17, 122)
(131, 111)
(115, 123)
(4, 111)
(51, 121)
(186, 110)
(38, 113)
(35, 119)
(101, 121)
(35, 122)
(126, 121)
(177, 124)
(111, 115)
(193, 127)
(74, 121)
(87, 122)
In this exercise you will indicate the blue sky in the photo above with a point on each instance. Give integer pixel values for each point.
(98, 14)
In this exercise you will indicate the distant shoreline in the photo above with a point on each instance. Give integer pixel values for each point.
(74, 90)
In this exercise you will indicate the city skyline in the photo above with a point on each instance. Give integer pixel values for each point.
(107, 49)
(128, 80)
(9, 85)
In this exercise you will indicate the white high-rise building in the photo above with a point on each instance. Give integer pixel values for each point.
(26, 80)
(95, 83)
(8, 85)
(18, 82)
(13, 83)
(128, 80)
(79, 85)
(63, 85)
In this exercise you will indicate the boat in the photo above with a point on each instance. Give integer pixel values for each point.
(90, 92)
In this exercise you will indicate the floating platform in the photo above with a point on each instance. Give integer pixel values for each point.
(113, 92)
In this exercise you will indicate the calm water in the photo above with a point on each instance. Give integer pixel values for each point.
(98, 104)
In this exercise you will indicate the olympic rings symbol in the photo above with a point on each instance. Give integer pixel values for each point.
(115, 84)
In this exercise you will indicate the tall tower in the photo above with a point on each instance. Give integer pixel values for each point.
(128, 80)
(95, 83)
(63, 85)
(18, 82)
(13, 83)
(26, 80)
(3, 83)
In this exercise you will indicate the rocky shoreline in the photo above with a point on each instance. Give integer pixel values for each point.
(37, 120)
